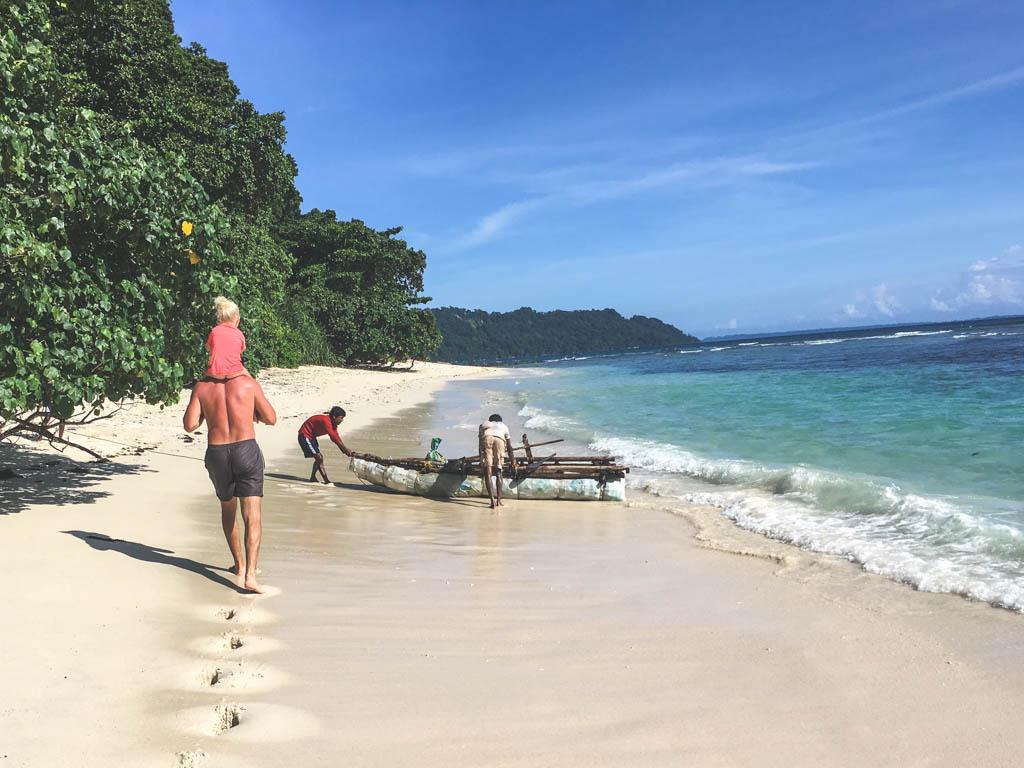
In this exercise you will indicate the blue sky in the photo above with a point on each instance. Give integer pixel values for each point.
(728, 167)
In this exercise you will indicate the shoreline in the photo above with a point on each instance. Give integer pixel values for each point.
(116, 604)
(407, 631)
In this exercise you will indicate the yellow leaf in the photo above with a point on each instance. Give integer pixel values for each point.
(186, 228)
(193, 257)
(174, 274)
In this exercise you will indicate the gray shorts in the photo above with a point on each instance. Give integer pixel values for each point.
(236, 469)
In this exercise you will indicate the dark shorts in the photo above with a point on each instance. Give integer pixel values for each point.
(310, 447)
(236, 469)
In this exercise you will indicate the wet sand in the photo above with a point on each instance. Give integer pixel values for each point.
(406, 631)
(422, 632)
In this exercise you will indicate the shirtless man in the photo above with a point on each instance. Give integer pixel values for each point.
(234, 460)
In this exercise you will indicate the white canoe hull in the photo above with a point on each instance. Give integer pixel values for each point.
(448, 485)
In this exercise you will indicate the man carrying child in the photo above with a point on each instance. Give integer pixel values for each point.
(229, 401)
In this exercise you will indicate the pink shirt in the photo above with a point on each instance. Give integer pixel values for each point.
(226, 344)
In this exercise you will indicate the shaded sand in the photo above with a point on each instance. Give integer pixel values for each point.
(409, 632)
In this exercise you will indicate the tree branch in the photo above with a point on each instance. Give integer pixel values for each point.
(45, 432)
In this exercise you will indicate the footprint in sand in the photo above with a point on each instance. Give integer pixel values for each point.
(226, 716)
(240, 676)
(254, 723)
(233, 645)
(190, 759)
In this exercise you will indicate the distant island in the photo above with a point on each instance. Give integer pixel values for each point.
(472, 334)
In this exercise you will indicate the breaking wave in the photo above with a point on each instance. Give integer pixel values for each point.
(936, 544)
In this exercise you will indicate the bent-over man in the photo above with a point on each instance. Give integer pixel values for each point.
(317, 426)
(494, 438)
(234, 460)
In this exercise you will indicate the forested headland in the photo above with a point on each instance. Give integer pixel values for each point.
(136, 183)
(476, 335)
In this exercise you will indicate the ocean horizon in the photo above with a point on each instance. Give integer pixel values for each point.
(886, 446)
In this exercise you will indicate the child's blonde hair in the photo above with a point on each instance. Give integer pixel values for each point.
(226, 309)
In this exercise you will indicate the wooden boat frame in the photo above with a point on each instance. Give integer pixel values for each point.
(581, 478)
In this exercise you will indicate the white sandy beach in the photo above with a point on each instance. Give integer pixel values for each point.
(404, 631)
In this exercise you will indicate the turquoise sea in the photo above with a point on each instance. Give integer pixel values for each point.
(898, 448)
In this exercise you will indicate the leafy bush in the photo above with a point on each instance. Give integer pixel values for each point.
(361, 286)
(135, 185)
(99, 287)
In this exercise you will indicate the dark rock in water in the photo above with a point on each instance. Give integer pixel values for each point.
(9, 474)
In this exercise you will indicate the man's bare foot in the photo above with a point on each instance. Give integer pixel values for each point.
(501, 503)
(251, 585)
(235, 569)
(312, 478)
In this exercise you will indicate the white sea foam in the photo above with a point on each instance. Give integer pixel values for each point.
(690, 351)
(901, 334)
(936, 544)
(897, 335)
(719, 349)
(549, 422)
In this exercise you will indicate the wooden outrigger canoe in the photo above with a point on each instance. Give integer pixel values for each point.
(579, 478)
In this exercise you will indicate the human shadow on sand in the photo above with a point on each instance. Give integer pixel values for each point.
(28, 478)
(370, 488)
(149, 554)
(347, 486)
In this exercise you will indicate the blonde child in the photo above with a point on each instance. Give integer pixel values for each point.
(226, 343)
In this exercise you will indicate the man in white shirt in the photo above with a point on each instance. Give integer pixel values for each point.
(494, 438)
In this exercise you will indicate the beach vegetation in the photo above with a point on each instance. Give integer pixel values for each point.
(135, 185)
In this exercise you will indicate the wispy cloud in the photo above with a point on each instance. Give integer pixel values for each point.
(722, 171)
(1008, 79)
(546, 174)
(865, 129)
(496, 222)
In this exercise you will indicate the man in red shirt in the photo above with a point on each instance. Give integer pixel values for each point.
(311, 429)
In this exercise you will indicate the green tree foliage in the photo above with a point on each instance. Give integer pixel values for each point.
(127, 62)
(476, 335)
(361, 286)
(112, 134)
(99, 287)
